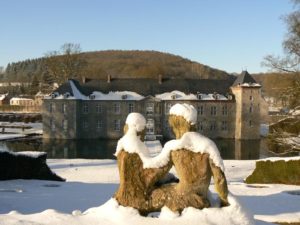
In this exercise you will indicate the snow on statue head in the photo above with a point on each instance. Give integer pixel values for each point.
(136, 122)
(182, 119)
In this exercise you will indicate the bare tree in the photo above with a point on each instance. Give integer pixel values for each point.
(66, 63)
(290, 61)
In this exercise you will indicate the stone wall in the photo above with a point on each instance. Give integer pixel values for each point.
(247, 112)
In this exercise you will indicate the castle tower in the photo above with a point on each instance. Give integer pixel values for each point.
(247, 96)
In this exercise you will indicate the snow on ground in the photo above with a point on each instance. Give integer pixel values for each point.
(11, 133)
(92, 183)
(10, 136)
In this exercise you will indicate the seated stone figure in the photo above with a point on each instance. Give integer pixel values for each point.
(196, 159)
(136, 182)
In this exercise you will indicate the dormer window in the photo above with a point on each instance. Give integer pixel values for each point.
(66, 95)
(173, 96)
(216, 96)
(54, 94)
(124, 97)
(199, 96)
(92, 96)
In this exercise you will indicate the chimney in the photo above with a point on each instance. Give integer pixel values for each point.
(83, 79)
(108, 78)
(160, 79)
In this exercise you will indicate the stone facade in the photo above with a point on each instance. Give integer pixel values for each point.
(234, 116)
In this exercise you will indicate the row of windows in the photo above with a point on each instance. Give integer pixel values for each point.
(201, 110)
(85, 125)
(116, 108)
(213, 125)
(213, 110)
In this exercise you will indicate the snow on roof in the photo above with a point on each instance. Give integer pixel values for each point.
(213, 97)
(178, 95)
(186, 111)
(250, 85)
(136, 121)
(18, 98)
(76, 93)
(117, 95)
(2, 96)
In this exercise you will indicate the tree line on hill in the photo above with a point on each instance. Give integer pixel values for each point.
(70, 62)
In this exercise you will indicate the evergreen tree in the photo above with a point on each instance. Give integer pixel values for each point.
(35, 85)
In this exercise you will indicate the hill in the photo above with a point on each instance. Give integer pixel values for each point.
(122, 64)
(275, 84)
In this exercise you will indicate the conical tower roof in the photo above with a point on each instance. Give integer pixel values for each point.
(243, 78)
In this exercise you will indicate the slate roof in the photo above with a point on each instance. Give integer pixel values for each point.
(152, 87)
(244, 77)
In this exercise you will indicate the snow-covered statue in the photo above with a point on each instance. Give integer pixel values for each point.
(136, 181)
(196, 160)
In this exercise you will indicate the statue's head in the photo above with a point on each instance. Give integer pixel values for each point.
(182, 119)
(137, 122)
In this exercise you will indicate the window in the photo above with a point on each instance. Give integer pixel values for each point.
(200, 126)
(250, 109)
(224, 110)
(85, 108)
(250, 123)
(98, 108)
(149, 108)
(167, 108)
(117, 125)
(213, 125)
(52, 124)
(99, 124)
(51, 107)
(251, 98)
(224, 125)
(64, 108)
(65, 125)
(213, 110)
(130, 107)
(200, 110)
(116, 108)
(85, 125)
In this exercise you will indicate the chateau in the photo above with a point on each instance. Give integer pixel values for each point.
(98, 108)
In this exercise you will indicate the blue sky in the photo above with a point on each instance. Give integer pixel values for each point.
(230, 35)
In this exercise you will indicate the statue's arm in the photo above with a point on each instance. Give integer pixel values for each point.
(152, 175)
(220, 183)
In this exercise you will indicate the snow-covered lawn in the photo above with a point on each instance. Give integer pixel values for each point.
(11, 133)
(91, 183)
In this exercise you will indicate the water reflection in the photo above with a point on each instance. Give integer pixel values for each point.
(104, 149)
(238, 149)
